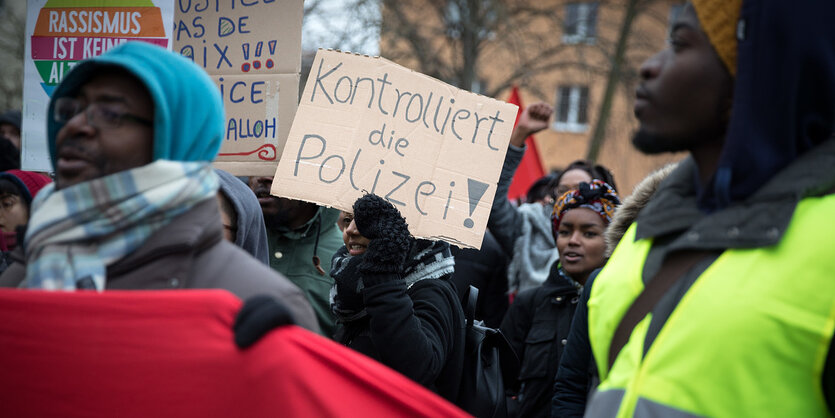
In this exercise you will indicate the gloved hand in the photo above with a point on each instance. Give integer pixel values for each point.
(259, 315)
(380, 222)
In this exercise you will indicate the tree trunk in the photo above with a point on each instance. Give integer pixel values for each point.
(599, 135)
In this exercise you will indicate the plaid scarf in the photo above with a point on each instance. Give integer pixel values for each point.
(76, 232)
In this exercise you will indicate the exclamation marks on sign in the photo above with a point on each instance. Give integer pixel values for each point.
(475, 191)
(258, 51)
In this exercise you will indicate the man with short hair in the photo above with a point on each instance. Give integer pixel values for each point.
(719, 299)
(302, 238)
(131, 136)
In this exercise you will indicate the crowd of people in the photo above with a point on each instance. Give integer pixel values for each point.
(706, 291)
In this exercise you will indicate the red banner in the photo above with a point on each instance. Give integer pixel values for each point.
(171, 354)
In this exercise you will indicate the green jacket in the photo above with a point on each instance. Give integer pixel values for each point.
(291, 254)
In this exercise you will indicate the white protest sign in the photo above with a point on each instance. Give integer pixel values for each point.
(59, 33)
(367, 125)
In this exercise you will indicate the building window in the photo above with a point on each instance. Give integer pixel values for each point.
(580, 23)
(675, 12)
(572, 105)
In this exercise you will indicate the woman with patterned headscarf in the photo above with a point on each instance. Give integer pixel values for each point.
(538, 322)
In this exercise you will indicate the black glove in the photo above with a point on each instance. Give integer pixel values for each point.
(380, 222)
(259, 315)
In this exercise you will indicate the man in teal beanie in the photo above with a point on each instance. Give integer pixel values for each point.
(131, 136)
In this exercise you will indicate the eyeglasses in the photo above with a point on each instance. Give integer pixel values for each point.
(99, 115)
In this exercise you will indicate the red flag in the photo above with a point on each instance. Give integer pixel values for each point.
(530, 168)
(133, 354)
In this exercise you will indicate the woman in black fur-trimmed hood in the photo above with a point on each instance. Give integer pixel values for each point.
(393, 298)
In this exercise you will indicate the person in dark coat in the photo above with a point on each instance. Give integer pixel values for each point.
(485, 269)
(577, 373)
(538, 322)
(393, 296)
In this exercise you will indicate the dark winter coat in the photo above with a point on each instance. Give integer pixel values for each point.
(190, 253)
(485, 269)
(577, 372)
(418, 332)
(537, 326)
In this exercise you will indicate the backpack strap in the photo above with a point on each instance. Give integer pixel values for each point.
(674, 267)
(469, 310)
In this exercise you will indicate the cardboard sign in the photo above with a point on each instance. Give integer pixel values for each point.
(367, 125)
(253, 51)
(240, 36)
(259, 112)
(59, 33)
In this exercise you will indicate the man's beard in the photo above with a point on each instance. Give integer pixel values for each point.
(276, 221)
(649, 143)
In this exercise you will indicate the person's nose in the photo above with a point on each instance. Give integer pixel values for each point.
(352, 229)
(78, 125)
(651, 67)
(575, 238)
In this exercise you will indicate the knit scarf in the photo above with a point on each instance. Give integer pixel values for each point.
(76, 232)
(8, 241)
(426, 260)
(534, 251)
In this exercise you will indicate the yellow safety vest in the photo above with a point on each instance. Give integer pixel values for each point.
(749, 338)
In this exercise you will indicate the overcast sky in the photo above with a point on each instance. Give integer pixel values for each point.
(335, 24)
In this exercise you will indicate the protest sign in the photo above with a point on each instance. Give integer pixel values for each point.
(253, 51)
(240, 36)
(259, 110)
(59, 33)
(367, 125)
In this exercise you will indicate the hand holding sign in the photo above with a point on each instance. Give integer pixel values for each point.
(367, 125)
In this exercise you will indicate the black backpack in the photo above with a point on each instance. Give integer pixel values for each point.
(490, 366)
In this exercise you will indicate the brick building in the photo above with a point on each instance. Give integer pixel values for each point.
(578, 40)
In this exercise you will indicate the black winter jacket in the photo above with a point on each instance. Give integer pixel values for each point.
(418, 332)
(577, 373)
(485, 269)
(537, 326)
